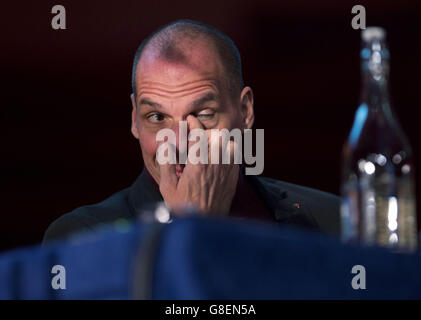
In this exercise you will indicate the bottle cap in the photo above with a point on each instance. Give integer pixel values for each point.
(372, 33)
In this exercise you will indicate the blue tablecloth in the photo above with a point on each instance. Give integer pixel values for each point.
(198, 258)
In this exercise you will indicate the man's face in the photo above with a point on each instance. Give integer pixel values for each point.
(167, 92)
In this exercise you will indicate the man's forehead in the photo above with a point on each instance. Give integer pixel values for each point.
(179, 67)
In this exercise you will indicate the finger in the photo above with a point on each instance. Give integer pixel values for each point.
(168, 177)
(229, 149)
(194, 123)
(223, 150)
(234, 150)
(215, 142)
(197, 137)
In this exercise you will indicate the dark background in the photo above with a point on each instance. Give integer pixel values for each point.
(65, 113)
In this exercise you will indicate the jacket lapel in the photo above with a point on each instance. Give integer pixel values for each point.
(284, 207)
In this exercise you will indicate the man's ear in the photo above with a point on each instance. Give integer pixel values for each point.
(134, 117)
(247, 107)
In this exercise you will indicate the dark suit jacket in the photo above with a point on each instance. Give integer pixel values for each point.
(288, 203)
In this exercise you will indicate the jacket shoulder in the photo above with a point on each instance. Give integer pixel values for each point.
(323, 206)
(89, 217)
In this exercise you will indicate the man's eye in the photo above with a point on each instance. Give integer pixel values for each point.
(205, 114)
(155, 117)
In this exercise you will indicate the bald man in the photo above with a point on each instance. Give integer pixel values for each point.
(190, 71)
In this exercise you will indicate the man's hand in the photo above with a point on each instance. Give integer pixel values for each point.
(209, 188)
